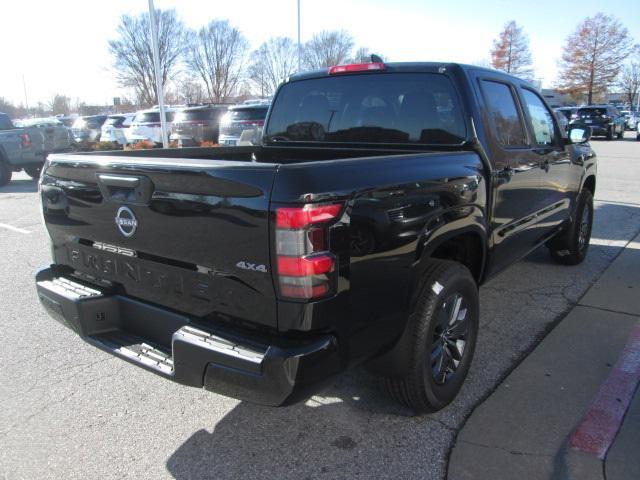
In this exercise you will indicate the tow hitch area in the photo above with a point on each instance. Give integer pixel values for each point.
(178, 348)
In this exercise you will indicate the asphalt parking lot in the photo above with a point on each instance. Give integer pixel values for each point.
(71, 411)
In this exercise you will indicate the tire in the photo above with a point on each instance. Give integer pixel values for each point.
(33, 171)
(438, 331)
(610, 133)
(572, 246)
(5, 173)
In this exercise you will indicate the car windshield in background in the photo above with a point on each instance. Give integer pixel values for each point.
(153, 117)
(242, 114)
(408, 108)
(592, 112)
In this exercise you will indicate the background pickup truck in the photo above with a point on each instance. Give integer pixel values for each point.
(20, 149)
(381, 196)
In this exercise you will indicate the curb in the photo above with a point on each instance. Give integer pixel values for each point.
(586, 448)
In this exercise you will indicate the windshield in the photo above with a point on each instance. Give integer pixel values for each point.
(401, 108)
(153, 117)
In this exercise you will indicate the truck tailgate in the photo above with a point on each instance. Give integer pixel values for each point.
(191, 235)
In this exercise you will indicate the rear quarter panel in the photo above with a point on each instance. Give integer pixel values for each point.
(398, 207)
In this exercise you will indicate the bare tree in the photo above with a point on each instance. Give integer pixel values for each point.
(8, 107)
(363, 55)
(593, 56)
(60, 105)
(217, 54)
(133, 55)
(629, 80)
(191, 90)
(272, 63)
(327, 48)
(510, 52)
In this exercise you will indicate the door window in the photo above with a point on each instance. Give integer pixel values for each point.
(506, 119)
(541, 118)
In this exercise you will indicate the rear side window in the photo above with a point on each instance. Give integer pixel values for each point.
(5, 123)
(153, 117)
(502, 108)
(391, 108)
(201, 114)
(241, 114)
(541, 119)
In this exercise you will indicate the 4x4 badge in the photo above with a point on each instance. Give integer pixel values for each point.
(126, 221)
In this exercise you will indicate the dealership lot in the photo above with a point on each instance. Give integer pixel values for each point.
(71, 411)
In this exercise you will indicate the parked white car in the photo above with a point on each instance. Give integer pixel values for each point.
(115, 127)
(146, 125)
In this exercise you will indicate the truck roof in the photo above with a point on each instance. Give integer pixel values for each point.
(427, 67)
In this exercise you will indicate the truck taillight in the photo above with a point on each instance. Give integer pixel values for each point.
(305, 266)
(25, 140)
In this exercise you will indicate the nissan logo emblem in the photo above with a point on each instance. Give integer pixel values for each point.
(126, 221)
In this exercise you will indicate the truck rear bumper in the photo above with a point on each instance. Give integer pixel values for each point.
(180, 349)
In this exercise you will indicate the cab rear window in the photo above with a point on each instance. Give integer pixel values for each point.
(398, 108)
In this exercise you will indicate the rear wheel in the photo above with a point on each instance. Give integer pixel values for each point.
(5, 173)
(33, 171)
(571, 247)
(442, 334)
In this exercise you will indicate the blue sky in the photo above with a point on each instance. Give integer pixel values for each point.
(61, 46)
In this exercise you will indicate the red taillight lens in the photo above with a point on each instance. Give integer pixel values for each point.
(356, 67)
(25, 140)
(307, 215)
(305, 267)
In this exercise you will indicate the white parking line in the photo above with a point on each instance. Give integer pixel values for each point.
(15, 229)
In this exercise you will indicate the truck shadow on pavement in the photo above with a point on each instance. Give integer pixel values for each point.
(352, 429)
(352, 417)
(20, 186)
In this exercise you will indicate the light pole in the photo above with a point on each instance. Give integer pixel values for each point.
(156, 64)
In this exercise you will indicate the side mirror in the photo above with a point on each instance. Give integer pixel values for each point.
(580, 134)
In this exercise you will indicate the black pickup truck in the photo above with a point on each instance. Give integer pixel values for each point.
(380, 198)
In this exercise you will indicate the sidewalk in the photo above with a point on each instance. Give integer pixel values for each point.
(568, 410)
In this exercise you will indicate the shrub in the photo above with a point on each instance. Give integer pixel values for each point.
(143, 145)
(102, 146)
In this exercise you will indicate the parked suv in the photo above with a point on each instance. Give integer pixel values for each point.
(239, 119)
(114, 128)
(87, 130)
(604, 120)
(195, 125)
(146, 126)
